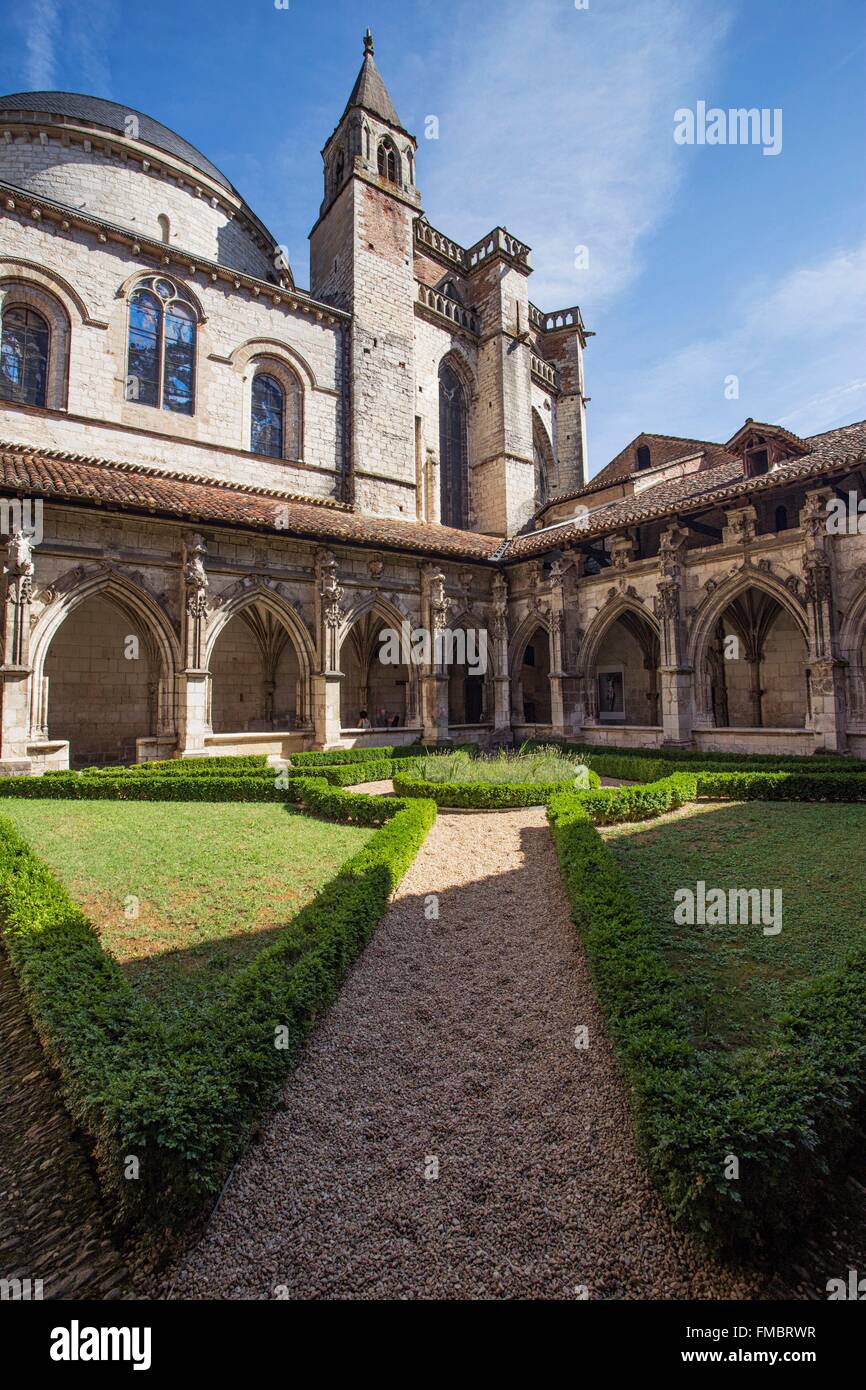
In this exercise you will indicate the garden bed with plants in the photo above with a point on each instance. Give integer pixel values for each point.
(499, 782)
(178, 1089)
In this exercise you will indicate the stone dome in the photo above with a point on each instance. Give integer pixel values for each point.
(121, 165)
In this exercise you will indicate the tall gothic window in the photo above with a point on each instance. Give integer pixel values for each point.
(160, 368)
(452, 449)
(387, 161)
(23, 356)
(545, 473)
(268, 415)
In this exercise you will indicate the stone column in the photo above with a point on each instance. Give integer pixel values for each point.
(434, 672)
(193, 696)
(555, 637)
(499, 635)
(827, 680)
(15, 714)
(327, 681)
(677, 700)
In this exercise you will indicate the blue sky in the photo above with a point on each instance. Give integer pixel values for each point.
(704, 262)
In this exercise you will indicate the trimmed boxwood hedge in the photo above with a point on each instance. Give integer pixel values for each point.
(782, 786)
(180, 1094)
(484, 796)
(330, 757)
(245, 783)
(660, 762)
(788, 1114)
(181, 767)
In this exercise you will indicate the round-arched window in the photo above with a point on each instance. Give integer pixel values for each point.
(24, 339)
(268, 416)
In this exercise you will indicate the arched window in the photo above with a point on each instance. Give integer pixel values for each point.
(164, 227)
(339, 171)
(268, 416)
(160, 369)
(452, 448)
(24, 338)
(545, 468)
(644, 457)
(387, 161)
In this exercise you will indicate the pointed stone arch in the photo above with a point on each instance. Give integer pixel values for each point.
(722, 595)
(358, 645)
(546, 480)
(143, 615)
(272, 621)
(529, 685)
(640, 625)
(752, 601)
(606, 616)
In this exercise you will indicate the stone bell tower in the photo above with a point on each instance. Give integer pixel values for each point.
(361, 260)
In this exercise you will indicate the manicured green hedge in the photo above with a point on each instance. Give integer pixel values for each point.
(181, 767)
(782, 786)
(666, 760)
(615, 805)
(788, 1115)
(180, 1094)
(330, 757)
(483, 796)
(84, 786)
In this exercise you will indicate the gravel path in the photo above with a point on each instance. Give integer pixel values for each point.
(451, 1050)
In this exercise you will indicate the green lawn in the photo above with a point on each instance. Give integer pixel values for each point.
(214, 882)
(740, 980)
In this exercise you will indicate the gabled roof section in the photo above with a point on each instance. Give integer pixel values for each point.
(370, 92)
(664, 448)
(753, 430)
(836, 451)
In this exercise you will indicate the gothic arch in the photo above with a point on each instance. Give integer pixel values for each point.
(241, 596)
(633, 678)
(524, 693)
(711, 686)
(525, 629)
(127, 286)
(721, 597)
(852, 635)
(852, 646)
(375, 603)
(389, 615)
(545, 463)
(603, 621)
(139, 606)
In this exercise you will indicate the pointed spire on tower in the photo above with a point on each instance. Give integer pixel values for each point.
(370, 92)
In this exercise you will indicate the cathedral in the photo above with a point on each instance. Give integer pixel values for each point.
(220, 491)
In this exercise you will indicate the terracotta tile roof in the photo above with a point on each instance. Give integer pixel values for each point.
(54, 476)
(664, 448)
(835, 451)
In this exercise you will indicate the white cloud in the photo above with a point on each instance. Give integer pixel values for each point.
(576, 146)
(40, 33)
(795, 345)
